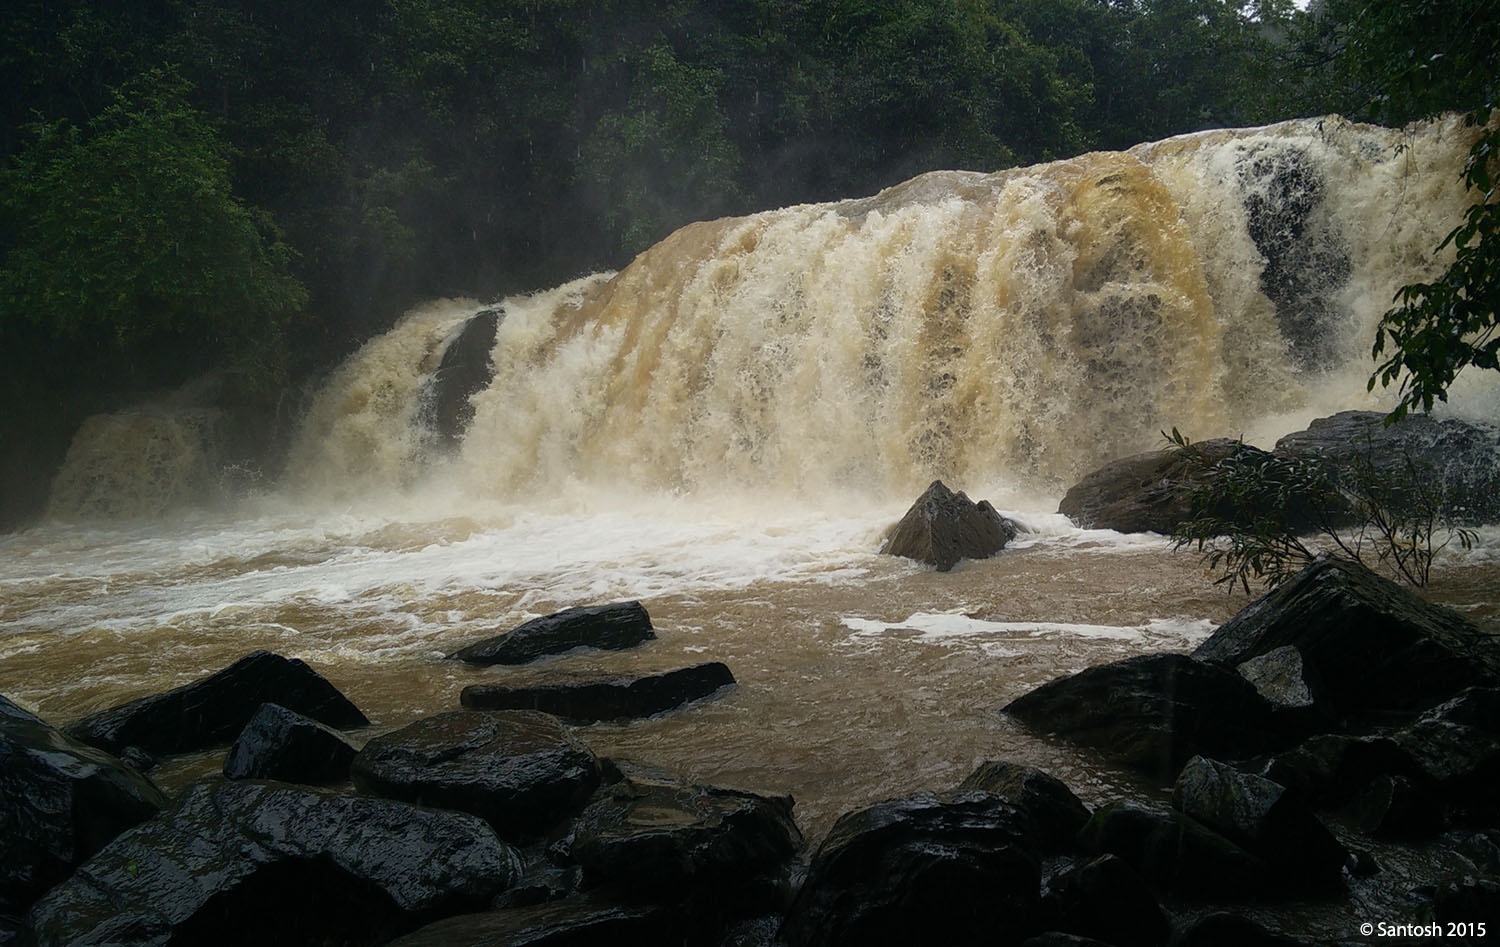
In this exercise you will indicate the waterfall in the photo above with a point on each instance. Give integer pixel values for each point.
(1018, 328)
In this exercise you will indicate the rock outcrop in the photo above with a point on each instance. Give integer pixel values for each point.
(1145, 493)
(943, 527)
(211, 711)
(466, 369)
(613, 627)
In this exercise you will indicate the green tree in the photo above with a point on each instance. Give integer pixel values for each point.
(125, 235)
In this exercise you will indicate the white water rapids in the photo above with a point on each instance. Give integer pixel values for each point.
(724, 428)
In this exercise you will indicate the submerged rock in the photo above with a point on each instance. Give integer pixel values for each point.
(610, 698)
(1374, 646)
(1154, 712)
(559, 924)
(211, 711)
(943, 527)
(1458, 460)
(1145, 493)
(921, 870)
(60, 802)
(612, 627)
(519, 770)
(247, 863)
(280, 744)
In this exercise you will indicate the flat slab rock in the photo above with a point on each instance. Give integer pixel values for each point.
(519, 770)
(248, 862)
(60, 802)
(212, 711)
(604, 698)
(1373, 646)
(943, 527)
(612, 627)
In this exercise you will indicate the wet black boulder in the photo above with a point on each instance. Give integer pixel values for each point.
(1056, 813)
(943, 527)
(578, 923)
(211, 711)
(1154, 712)
(1176, 854)
(249, 863)
(280, 744)
(604, 698)
(613, 627)
(60, 802)
(1377, 649)
(520, 770)
(1146, 493)
(1265, 819)
(927, 869)
(1104, 898)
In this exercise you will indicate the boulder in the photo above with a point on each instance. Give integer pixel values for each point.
(1263, 818)
(1178, 855)
(466, 369)
(1146, 493)
(1328, 769)
(655, 838)
(1225, 929)
(943, 527)
(60, 802)
(1483, 850)
(1154, 712)
(1458, 459)
(1396, 807)
(1056, 813)
(1059, 939)
(1107, 899)
(280, 744)
(1456, 747)
(1281, 678)
(558, 924)
(926, 869)
(520, 770)
(211, 711)
(1376, 647)
(612, 627)
(249, 862)
(604, 698)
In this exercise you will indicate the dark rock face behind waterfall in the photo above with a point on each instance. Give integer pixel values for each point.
(465, 370)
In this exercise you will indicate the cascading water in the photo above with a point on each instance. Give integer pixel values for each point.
(1011, 329)
(724, 428)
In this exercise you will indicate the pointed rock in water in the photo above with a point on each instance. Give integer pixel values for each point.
(520, 770)
(943, 527)
(60, 802)
(927, 869)
(611, 698)
(466, 369)
(211, 711)
(244, 863)
(280, 744)
(1154, 711)
(612, 627)
(1376, 647)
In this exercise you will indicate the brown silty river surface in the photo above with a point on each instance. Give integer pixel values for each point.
(861, 677)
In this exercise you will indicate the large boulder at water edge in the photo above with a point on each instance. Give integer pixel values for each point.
(253, 863)
(519, 770)
(466, 369)
(1458, 460)
(604, 698)
(1265, 819)
(655, 838)
(927, 869)
(280, 744)
(1154, 712)
(612, 627)
(211, 711)
(60, 802)
(1056, 813)
(1374, 646)
(943, 527)
(1146, 493)
(1178, 855)
(560, 924)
